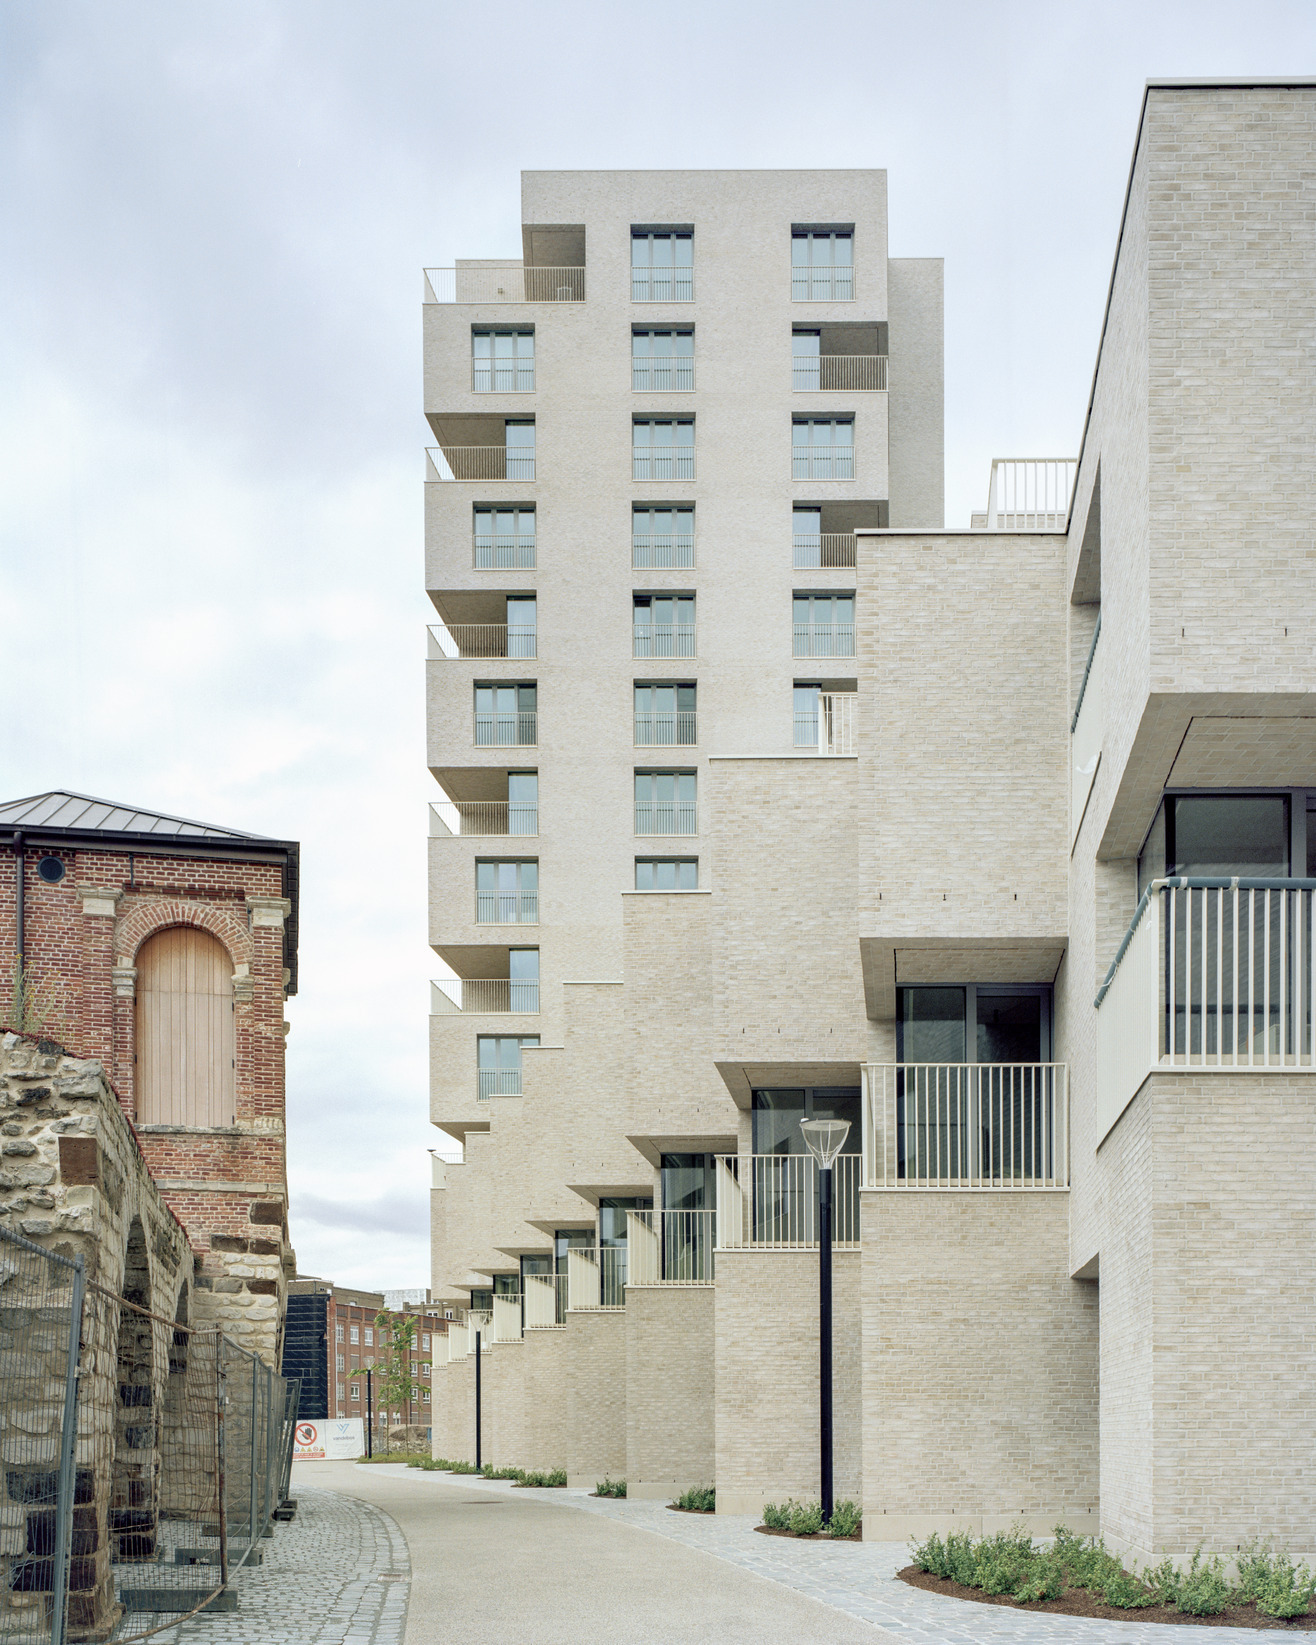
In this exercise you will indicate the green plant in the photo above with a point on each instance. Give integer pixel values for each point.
(34, 1007)
(1165, 1580)
(701, 1499)
(1286, 1590)
(462, 1468)
(490, 1472)
(1127, 1593)
(1083, 1561)
(610, 1487)
(556, 1476)
(845, 1520)
(806, 1518)
(777, 1515)
(960, 1562)
(930, 1555)
(392, 1371)
(1045, 1582)
(1203, 1590)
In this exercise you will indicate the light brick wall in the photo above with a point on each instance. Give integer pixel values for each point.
(669, 1389)
(596, 1398)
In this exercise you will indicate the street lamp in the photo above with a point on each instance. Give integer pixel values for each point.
(824, 1139)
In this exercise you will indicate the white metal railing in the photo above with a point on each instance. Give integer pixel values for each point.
(966, 1125)
(518, 728)
(823, 549)
(497, 1082)
(514, 284)
(455, 641)
(770, 1201)
(459, 1340)
(667, 819)
(822, 462)
(489, 817)
(662, 462)
(507, 1316)
(545, 1301)
(663, 640)
(662, 373)
(502, 374)
(515, 996)
(824, 639)
(480, 462)
(672, 284)
(841, 373)
(662, 553)
(827, 283)
(831, 728)
(507, 908)
(503, 553)
(670, 1247)
(596, 1277)
(1030, 493)
(666, 730)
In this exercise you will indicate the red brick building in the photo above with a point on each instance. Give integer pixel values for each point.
(165, 949)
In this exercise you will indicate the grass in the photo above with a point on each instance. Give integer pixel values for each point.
(1011, 1563)
(806, 1518)
(700, 1499)
(610, 1487)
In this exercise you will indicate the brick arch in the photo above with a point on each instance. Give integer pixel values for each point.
(144, 923)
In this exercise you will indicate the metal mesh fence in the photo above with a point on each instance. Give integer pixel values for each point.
(138, 1473)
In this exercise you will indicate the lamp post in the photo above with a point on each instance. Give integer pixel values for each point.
(824, 1139)
(477, 1402)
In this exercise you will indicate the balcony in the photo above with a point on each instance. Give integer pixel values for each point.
(831, 728)
(670, 1247)
(484, 996)
(663, 373)
(824, 549)
(668, 283)
(450, 818)
(666, 730)
(596, 1278)
(821, 462)
(662, 462)
(517, 728)
(507, 907)
(822, 283)
(839, 373)
(663, 640)
(1029, 494)
(662, 553)
(512, 283)
(966, 1125)
(454, 642)
(769, 1202)
(671, 819)
(480, 462)
(824, 639)
(503, 551)
(546, 1301)
(497, 1082)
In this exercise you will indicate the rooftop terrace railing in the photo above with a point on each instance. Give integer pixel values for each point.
(1030, 493)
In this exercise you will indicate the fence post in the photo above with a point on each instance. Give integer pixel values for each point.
(222, 1487)
(251, 1480)
(66, 1489)
(370, 1418)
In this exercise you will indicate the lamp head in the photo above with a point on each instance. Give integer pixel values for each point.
(825, 1139)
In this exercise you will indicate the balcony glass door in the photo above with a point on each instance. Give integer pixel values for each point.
(664, 625)
(520, 451)
(784, 1187)
(523, 970)
(689, 1190)
(806, 351)
(521, 620)
(666, 802)
(523, 802)
(662, 268)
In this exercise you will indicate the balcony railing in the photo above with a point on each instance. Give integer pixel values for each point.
(596, 1277)
(504, 553)
(770, 1201)
(488, 996)
(662, 374)
(827, 548)
(456, 641)
(505, 285)
(489, 817)
(842, 373)
(822, 462)
(497, 1082)
(667, 819)
(545, 1301)
(662, 285)
(663, 640)
(507, 1316)
(480, 463)
(1214, 974)
(831, 728)
(967, 1125)
(662, 462)
(1030, 493)
(670, 1247)
(502, 376)
(824, 639)
(662, 553)
(828, 283)
(516, 729)
(507, 908)
(666, 730)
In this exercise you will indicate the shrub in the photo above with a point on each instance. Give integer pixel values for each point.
(961, 1565)
(806, 1518)
(610, 1487)
(490, 1472)
(846, 1519)
(1127, 1593)
(555, 1476)
(462, 1468)
(930, 1556)
(1044, 1582)
(702, 1499)
(1203, 1590)
(1165, 1580)
(777, 1515)
(1285, 1591)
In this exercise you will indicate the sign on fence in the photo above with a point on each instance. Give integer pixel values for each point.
(337, 1440)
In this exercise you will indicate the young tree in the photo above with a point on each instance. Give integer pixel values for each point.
(393, 1375)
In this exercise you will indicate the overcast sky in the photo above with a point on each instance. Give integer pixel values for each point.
(212, 224)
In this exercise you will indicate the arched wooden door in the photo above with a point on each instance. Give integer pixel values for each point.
(185, 1044)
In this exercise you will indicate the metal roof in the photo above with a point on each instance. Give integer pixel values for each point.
(63, 809)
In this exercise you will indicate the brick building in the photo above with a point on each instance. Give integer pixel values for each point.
(164, 949)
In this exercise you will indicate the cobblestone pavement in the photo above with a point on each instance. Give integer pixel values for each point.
(337, 1574)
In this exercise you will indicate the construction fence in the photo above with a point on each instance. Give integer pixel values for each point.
(142, 1459)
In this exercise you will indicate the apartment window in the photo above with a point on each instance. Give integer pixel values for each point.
(664, 714)
(506, 715)
(662, 265)
(424, 1396)
(824, 720)
(425, 1339)
(666, 802)
(499, 1065)
(822, 448)
(342, 1393)
(822, 265)
(785, 1186)
(520, 455)
(340, 1363)
(370, 1339)
(356, 1390)
(354, 1333)
(662, 539)
(667, 873)
(502, 362)
(338, 1333)
(507, 893)
(504, 538)
(523, 983)
(806, 354)
(823, 625)
(663, 448)
(662, 362)
(663, 625)
(983, 1024)
(1228, 834)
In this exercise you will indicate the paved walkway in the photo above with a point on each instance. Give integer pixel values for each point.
(504, 1566)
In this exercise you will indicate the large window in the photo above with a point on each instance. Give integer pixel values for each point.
(506, 715)
(662, 539)
(986, 1023)
(667, 873)
(823, 625)
(1228, 834)
(784, 1182)
(504, 538)
(499, 1062)
(665, 714)
(185, 1030)
(662, 265)
(523, 970)
(663, 625)
(822, 448)
(662, 362)
(520, 457)
(502, 362)
(666, 802)
(663, 448)
(523, 802)
(507, 893)
(822, 265)
(612, 1247)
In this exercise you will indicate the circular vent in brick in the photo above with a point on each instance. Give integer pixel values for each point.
(51, 869)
